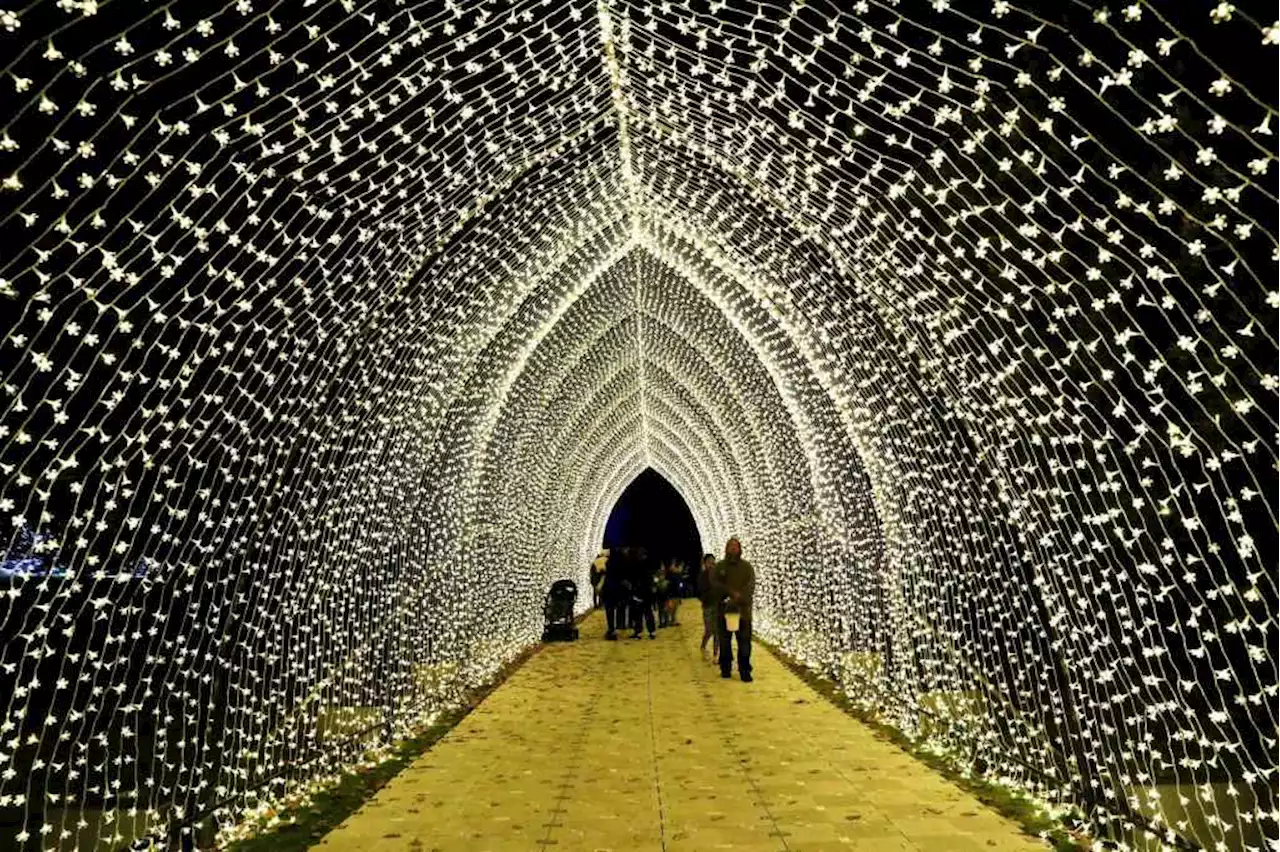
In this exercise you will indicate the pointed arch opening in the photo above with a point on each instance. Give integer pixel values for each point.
(652, 513)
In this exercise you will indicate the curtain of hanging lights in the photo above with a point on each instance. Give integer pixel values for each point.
(333, 330)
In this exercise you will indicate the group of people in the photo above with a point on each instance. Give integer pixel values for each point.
(630, 586)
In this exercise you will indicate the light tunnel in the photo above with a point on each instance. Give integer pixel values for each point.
(333, 332)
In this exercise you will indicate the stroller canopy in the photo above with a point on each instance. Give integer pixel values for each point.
(563, 588)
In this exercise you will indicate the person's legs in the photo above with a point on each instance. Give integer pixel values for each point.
(636, 618)
(617, 610)
(708, 627)
(726, 649)
(744, 648)
(648, 620)
(610, 611)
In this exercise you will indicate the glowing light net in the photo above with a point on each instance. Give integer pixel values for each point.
(333, 330)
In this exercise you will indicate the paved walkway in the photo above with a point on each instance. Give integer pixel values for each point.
(639, 745)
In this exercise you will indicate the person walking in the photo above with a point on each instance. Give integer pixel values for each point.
(662, 594)
(642, 591)
(597, 577)
(736, 580)
(707, 595)
(614, 593)
(675, 591)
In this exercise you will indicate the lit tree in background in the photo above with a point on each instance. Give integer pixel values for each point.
(354, 320)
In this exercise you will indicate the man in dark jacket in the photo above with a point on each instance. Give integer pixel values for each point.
(735, 581)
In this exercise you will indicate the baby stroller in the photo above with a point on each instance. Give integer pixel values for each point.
(558, 612)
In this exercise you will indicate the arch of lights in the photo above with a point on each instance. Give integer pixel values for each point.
(333, 332)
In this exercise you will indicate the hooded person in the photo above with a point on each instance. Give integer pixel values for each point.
(735, 582)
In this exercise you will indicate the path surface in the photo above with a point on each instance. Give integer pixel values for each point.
(639, 745)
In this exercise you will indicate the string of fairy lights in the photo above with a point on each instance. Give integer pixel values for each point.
(333, 331)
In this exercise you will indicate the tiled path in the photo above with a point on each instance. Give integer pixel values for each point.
(639, 745)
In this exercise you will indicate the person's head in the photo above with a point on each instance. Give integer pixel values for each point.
(708, 561)
(733, 548)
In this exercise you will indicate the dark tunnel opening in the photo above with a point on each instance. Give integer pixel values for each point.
(652, 514)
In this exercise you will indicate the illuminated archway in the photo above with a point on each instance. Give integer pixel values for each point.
(337, 332)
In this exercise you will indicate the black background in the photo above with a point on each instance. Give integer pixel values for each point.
(652, 514)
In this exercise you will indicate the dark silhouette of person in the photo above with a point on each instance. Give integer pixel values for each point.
(615, 591)
(707, 596)
(642, 594)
